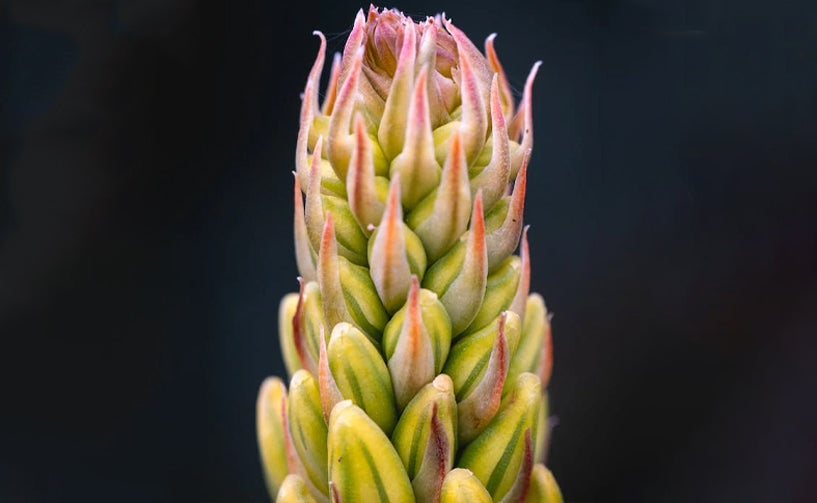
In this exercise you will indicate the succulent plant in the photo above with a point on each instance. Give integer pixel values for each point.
(418, 359)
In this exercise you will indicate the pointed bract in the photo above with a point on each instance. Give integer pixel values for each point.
(388, 262)
(392, 130)
(307, 321)
(309, 108)
(412, 363)
(503, 241)
(523, 123)
(441, 218)
(499, 292)
(462, 296)
(481, 404)
(493, 180)
(520, 299)
(418, 331)
(360, 180)
(504, 87)
(504, 438)
(332, 88)
(474, 114)
(417, 161)
(338, 278)
(338, 141)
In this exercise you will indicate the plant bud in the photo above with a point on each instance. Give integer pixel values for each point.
(361, 374)
(363, 464)
(460, 277)
(460, 486)
(270, 432)
(361, 183)
(347, 291)
(521, 483)
(395, 253)
(499, 293)
(474, 118)
(534, 350)
(304, 254)
(351, 240)
(294, 490)
(286, 311)
(496, 455)
(306, 323)
(479, 367)
(440, 219)
(392, 129)
(330, 394)
(416, 162)
(307, 427)
(543, 487)
(469, 356)
(542, 430)
(416, 342)
(425, 437)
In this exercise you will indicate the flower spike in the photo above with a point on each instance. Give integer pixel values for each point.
(418, 358)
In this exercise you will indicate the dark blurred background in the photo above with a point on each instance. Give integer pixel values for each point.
(145, 227)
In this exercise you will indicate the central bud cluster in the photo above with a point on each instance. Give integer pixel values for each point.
(418, 359)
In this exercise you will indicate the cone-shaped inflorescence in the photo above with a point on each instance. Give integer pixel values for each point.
(418, 359)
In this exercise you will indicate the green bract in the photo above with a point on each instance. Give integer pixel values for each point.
(419, 359)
